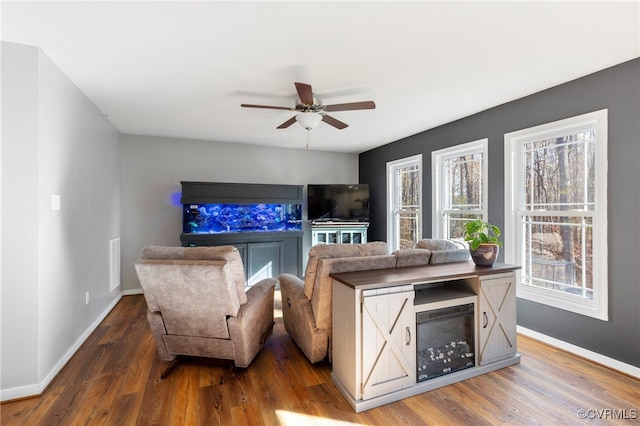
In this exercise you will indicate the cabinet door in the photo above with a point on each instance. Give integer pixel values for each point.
(353, 236)
(497, 318)
(292, 262)
(388, 342)
(326, 236)
(346, 236)
(264, 260)
(318, 237)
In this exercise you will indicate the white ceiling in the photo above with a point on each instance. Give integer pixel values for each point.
(182, 69)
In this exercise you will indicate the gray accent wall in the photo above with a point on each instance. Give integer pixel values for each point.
(616, 89)
(153, 167)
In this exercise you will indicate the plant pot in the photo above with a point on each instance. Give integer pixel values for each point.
(485, 255)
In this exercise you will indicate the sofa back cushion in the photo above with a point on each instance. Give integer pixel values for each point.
(321, 301)
(332, 251)
(445, 251)
(412, 257)
(229, 254)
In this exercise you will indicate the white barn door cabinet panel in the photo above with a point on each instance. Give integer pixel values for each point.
(497, 317)
(388, 331)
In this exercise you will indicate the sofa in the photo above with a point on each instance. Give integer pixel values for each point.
(307, 302)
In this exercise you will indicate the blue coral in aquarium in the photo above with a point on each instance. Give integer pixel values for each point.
(230, 218)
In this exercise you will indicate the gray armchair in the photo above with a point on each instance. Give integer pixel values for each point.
(198, 307)
(307, 304)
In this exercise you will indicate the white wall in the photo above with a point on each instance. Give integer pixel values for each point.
(19, 293)
(54, 141)
(153, 167)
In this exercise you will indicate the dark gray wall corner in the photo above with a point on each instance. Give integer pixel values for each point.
(616, 89)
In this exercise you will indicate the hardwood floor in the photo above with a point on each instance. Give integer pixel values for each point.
(114, 379)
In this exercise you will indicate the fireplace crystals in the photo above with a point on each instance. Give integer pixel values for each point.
(445, 341)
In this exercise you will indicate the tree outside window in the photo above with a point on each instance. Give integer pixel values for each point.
(459, 188)
(404, 192)
(556, 199)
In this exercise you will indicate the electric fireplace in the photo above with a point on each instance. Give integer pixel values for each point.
(445, 331)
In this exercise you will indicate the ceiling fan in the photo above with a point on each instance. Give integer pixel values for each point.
(312, 111)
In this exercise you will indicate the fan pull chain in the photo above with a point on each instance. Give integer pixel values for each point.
(308, 142)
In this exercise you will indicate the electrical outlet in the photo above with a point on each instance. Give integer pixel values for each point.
(86, 298)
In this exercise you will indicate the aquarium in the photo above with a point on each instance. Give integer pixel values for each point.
(233, 218)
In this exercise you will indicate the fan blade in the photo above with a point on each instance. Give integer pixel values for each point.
(267, 107)
(350, 106)
(287, 123)
(333, 122)
(305, 93)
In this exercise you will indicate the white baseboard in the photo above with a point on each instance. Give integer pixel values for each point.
(585, 353)
(20, 392)
(37, 388)
(132, 292)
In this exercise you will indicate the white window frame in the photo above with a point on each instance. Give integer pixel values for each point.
(392, 166)
(439, 191)
(514, 200)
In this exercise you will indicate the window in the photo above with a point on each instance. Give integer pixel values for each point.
(556, 212)
(459, 187)
(404, 200)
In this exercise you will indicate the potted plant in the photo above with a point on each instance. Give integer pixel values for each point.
(484, 244)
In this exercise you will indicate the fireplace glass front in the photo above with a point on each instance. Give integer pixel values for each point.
(445, 341)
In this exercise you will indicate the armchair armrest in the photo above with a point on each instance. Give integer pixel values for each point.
(293, 287)
(298, 319)
(258, 291)
(253, 321)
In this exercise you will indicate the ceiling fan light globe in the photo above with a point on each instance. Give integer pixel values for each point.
(309, 120)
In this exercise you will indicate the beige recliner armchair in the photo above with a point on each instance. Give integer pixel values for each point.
(198, 307)
(306, 305)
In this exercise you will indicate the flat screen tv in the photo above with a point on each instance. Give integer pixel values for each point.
(338, 203)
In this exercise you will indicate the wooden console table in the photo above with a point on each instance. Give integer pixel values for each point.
(374, 326)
